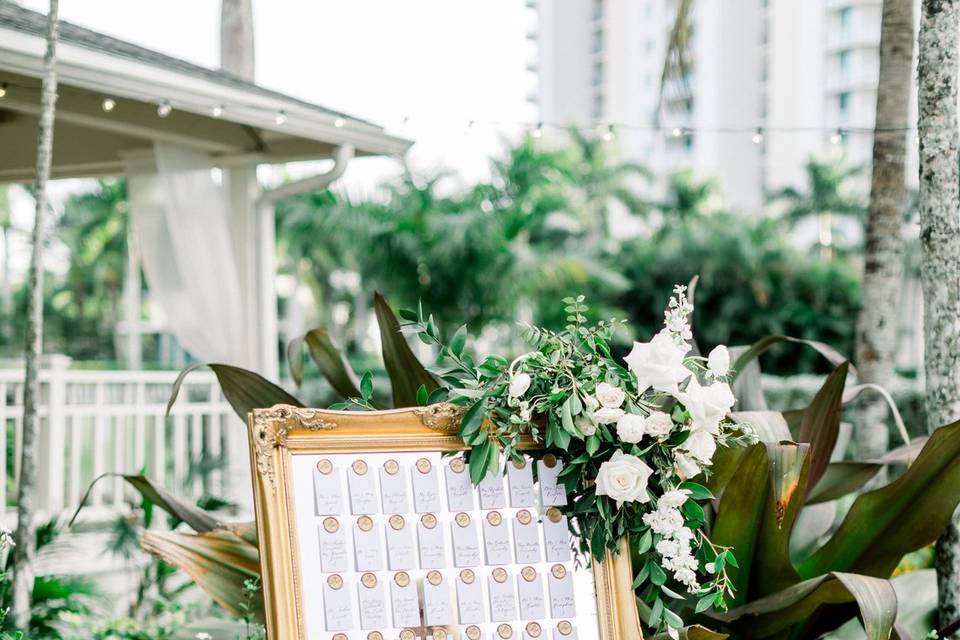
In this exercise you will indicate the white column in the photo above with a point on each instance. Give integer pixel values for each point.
(132, 303)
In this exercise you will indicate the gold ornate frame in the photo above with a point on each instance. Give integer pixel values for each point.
(280, 431)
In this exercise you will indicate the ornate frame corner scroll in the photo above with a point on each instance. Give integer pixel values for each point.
(279, 432)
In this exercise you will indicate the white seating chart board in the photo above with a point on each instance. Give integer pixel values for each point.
(400, 544)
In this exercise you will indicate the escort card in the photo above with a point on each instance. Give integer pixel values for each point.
(400, 549)
(556, 536)
(565, 631)
(327, 489)
(373, 607)
(366, 545)
(561, 592)
(532, 631)
(530, 594)
(459, 487)
(466, 548)
(426, 487)
(491, 491)
(436, 600)
(337, 613)
(363, 490)
(404, 601)
(393, 488)
(333, 546)
(552, 494)
(469, 597)
(520, 479)
(496, 539)
(526, 538)
(430, 543)
(503, 600)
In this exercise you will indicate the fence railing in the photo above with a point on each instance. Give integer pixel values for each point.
(92, 422)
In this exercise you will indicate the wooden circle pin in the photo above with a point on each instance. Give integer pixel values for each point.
(424, 465)
(335, 581)
(374, 635)
(331, 525)
(524, 516)
(440, 634)
(402, 578)
(365, 523)
(533, 630)
(494, 518)
(519, 463)
(558, 571)
(554, 514)
(391, 466)
(397, 522)
(339, 636)
(505, 631)
(368, 580)
(550, 460)
(429, 520)
(434, 578)
(467, 576)
(500, 575)
(462, 519)
(472, 632)
(529, 574)
(457, 465)
(359, 467)
(324, 466)
(407, 634)
(564, 627)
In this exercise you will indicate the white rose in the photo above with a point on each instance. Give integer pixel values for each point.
(609, 395)
(624, 478)
(658, 364)
(586, 424)
(718, 362)
(673, 498)
(658, 424)
(607, 415)
(519, 384)
(590, 403)
(701, 446)
(707, 405)
(630, 428)
(685, 466)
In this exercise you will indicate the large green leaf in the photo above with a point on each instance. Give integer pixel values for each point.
(328, 358)
(747, 383)
(774, 615)
(219, 562)
(842, 478)
(763, 345)
(199, 520)
(820, 424)
(243, 389)
(406, 372)
(885, 524)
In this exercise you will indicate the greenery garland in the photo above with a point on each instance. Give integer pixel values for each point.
(629, 439)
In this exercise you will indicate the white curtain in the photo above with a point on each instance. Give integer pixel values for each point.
(180, 218)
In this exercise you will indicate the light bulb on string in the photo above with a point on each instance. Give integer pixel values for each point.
(757, 136)
(3, 89)
(676, 132)
(339, 122)
(837, 137)
(217, 111)
(280, 118)
(608, 133)
(538, 132)
(108, 104)
(164, 109)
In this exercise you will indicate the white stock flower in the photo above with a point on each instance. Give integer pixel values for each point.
(624, 478)
(701, 446)
(673, 498)
(665, 522)
(668, 548)
(630, 428)
(607, 415)
(609, 395)
(685, 466)
(718, 362)
(519, 384)
(658, 424)
(707, 405)
(658, 364)
(688, 578)
(586, 424)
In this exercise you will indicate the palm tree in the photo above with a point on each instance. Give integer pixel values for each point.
(686, 198)
(824, 198)
(25, 538)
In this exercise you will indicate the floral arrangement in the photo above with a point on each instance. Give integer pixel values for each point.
(631, 437)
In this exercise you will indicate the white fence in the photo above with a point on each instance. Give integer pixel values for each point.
(92, 422)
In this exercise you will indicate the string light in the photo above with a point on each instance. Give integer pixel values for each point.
(339, 122)
(108, 104)
(217, 111)
(837, 137)
(757, 136)
(164, 109)
(608, 134)
(281, 117)
(676, 132)
(538, 132)
(3, 89)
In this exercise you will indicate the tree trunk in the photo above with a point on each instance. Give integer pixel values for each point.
(883, 250)
(940, 242)
(24, 552)
(236, 38)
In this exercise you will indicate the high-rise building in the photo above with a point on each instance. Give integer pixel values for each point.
(767, 85)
